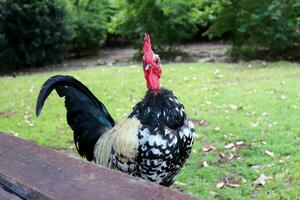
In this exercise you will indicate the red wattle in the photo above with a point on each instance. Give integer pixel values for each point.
(153, 81)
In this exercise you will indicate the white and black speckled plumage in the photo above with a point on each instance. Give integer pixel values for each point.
(165, 138)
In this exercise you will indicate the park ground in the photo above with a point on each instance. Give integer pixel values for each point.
(246, 115)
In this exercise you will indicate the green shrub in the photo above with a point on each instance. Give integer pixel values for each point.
(88, 21)
(32, 33)
(166, 21)
(257, 28)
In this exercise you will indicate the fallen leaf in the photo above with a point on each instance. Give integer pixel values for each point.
(269, 153)
(281, 161)
(216, 71)
(233, 107)
(208, 148)
(282, 97)
(261, 180)
(229, 145)
(208, 102)
(200, 122)
(244, 180)
(255, 167)
(221, 155)
(240, 158)
(250, 114)
(264, 114)
(231, 182)
(228, 135)
(225, 158)
(204, 164)
(230, 157)
(270, 165)
(239, 143)
(220, 185)
(295, 107)
(217, 128)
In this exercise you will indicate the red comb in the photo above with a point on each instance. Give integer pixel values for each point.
(148, 53)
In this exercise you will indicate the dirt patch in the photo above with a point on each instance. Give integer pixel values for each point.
(197, 52)
(7, 114)
(200, 122)
(206, 52)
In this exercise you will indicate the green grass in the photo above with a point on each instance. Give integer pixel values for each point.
(256, 103)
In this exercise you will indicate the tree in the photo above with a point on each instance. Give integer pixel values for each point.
(258, 29)
(32, 33)
(166, 21)
(88, 21)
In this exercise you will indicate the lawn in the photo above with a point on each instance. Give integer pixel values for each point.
(246, 115)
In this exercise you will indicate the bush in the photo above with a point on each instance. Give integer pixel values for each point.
(88, 21)
(166, 21)
(32, 33)
(260, 29)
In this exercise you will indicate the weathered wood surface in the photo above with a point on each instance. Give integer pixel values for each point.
(4, 195)
(35, 172)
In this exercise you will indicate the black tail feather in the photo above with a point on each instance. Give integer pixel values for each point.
(59, 80)
(86, 115)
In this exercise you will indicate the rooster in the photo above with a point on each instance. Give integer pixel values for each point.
(152, 143)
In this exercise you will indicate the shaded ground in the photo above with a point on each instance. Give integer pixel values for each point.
(197, 52)
(200, 52)
(206, 52)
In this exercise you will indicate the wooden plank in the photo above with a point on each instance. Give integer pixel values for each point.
(4, 195)
(35, 172)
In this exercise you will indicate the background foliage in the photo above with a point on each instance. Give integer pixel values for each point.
(167, 21)
(258, 29)
(88, 21)
(34, 33)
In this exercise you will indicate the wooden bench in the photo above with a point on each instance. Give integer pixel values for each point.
(29, 171)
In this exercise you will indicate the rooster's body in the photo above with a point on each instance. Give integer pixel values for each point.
(153, 142)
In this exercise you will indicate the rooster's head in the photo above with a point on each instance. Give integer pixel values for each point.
(151, 65)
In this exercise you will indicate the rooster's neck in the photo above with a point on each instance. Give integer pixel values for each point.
(159, 109)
